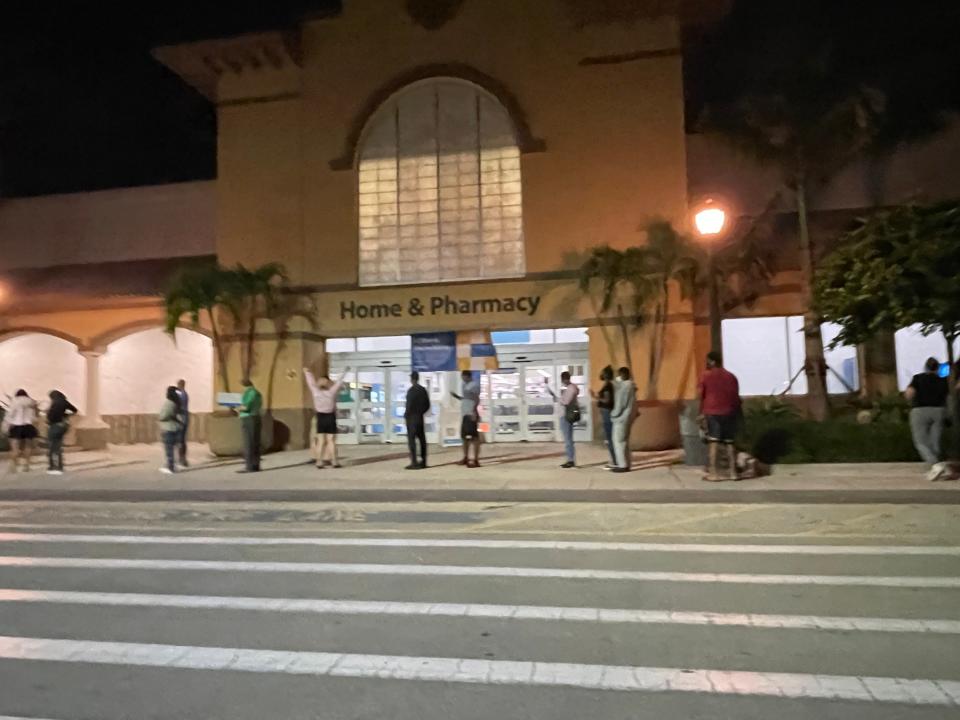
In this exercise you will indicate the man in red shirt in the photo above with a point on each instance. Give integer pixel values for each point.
(720, 404)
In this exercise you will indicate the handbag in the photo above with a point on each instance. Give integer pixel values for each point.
(571, 413)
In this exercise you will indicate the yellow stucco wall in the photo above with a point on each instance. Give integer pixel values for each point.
(614, 140)
(89, 328)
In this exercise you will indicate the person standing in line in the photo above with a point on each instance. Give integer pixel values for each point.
(927, 394)
(469, 418)
(250, 405)
(22, 418)
(184, 421)
(605, 405)
(325, 392)
(570, 417)
(418, 405)
(57, 428)
(719, 394)
(624, 404)
(169, 421)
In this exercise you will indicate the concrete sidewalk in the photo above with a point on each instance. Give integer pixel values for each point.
(527, 472)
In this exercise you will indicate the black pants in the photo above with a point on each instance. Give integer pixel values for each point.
(416, 430)
(251, 442)
(55, 434)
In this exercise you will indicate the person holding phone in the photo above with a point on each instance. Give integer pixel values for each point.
(469, 418)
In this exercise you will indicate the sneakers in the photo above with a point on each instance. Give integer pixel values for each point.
(166, 471)
(619, 470)
(568, 464)
(53, 471)
(412, 466)
(938, 472)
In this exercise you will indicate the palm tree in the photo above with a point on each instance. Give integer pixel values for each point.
(807, 87)
(281, 308)
(809, 132)
(195, 291)
(645, 272)
(249, 294)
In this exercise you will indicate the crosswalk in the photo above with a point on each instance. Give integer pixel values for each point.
(106, 626)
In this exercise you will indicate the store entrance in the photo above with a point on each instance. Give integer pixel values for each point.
(515, 405)
(370, 410)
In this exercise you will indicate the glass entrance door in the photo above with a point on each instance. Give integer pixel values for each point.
(370, 390)
(540, 416)
(505, 405)
(398, 383)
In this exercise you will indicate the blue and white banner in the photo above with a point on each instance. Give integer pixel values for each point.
(433, 352)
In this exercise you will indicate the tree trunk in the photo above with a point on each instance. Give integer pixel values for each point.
(625, 333)
(652, 353)
(221, 353)
(251, 336)
(659, 338)
(878, 365)
(815, 365)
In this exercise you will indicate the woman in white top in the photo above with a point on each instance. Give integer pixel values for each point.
(325, 392)
(22, 418)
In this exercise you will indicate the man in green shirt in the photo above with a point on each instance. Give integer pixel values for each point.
(250, 405)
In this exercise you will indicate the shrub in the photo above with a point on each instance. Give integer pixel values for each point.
(794, 440)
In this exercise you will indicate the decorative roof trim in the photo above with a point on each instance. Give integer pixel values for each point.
(202, 64)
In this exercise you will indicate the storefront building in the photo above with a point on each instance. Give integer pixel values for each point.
(418, 181)
(410, 181)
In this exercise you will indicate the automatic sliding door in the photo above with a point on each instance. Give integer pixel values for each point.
(371, 393)
(540, 416)
(506, 406)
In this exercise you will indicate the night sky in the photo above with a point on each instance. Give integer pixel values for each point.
(84, 106)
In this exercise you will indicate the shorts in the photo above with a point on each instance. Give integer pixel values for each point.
(327, 424)
(721, 428)
(23, 432)
(469, 428)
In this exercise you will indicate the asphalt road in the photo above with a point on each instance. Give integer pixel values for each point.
(462, 612)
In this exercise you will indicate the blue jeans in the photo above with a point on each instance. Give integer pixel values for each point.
(567, 428)
(608, 433)
(170, 440)
(182, 440)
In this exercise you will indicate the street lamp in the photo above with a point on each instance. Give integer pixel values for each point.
(710, 219)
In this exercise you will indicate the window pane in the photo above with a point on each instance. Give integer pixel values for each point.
(913, 349)
(755, 350)
(340, 345)
(842, 361)
(572, 335)
(440, 169)
(386, 342)
(766, 353)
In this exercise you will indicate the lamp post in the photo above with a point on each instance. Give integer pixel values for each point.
(710, 220)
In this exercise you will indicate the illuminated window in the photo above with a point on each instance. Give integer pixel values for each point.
(767, 353)
(439, 192)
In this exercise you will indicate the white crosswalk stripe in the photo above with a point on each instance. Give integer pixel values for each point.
(469, 544)
(488, 672)
(40, 586)
(250, 566)
(479, 610)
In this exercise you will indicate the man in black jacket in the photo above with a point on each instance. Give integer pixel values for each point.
(418, 405)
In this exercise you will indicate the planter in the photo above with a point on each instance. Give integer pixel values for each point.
(225, 434)
(657, 426)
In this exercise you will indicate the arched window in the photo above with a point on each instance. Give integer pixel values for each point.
(439, 193)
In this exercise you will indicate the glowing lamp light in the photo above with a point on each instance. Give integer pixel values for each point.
(710, 220)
